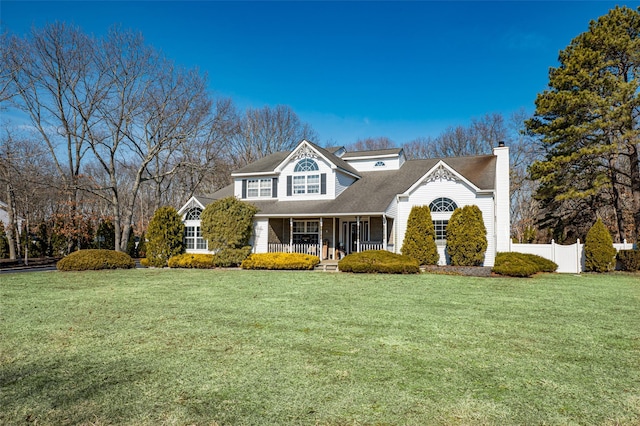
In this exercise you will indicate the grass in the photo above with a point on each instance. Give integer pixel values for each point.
(259, 348)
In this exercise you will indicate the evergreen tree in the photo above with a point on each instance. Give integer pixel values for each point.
(227, 223)
(420, 237)
(587, 121)
(466, 237)
(164, 235)
(106, 235)
(4, 243)
(600, 255)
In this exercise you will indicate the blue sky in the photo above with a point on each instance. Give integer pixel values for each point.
(350, 69)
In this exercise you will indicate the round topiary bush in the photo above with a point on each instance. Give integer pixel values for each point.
(420, 237)
(379, 261)
(466, 237)
(514, 264)
(95, 259)
(598, 249)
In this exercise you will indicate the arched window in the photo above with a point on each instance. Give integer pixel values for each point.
(193, 213)
(379, 164)
(442, 204)
(306, 165)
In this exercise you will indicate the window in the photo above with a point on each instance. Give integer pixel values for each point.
(305, 232)
(193, 214)
(193, 238)
(442, 204)
(306, 165)
(440, 227)
(379, 164)
(306, 184)
(258, 188)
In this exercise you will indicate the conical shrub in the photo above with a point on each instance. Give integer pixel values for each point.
(598, 249)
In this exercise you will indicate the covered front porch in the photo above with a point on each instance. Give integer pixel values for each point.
(329, 238)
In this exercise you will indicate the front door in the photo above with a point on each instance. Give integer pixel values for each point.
(353, 237)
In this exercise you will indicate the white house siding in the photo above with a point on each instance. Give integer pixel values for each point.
(369, 164)
(323, 167)
(342, 182)
(260, 238)
(462, 195)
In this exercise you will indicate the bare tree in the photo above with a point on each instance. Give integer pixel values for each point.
(267, 130)
(371, 144)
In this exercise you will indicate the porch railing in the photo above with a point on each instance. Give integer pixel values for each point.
(312, 249)
(371, 245)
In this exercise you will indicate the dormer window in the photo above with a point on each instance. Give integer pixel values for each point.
(306, 180)
(258, 188)
(379, 164)
(306, 165)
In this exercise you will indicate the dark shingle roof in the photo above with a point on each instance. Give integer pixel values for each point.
(373, 153)
(374, 191)
(270, 162)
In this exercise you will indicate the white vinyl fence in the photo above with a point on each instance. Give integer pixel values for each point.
(570, 259)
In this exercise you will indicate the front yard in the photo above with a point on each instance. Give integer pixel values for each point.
(250, 347)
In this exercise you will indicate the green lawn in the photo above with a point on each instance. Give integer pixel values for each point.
(249, 347)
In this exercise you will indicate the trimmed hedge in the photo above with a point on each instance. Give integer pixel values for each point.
(420, 237)
(466, 237)
(379, 261)
(522, 265)
(189, 260)
(95, 259)
(296, 261)
(629, 260)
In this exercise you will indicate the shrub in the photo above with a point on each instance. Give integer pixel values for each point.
(95, 259)
(379, 261)
(229, 257)
(420, 237)
(227, 223)
(297, 261)
(629, 260)
(522, 265)
(598, 249)
(164, 235)
(466, 237)
(189, 260)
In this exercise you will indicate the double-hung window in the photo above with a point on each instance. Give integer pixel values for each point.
(306, 179)
(258, 188)
(193, 238)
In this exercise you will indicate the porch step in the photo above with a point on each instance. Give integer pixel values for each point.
(327, 266)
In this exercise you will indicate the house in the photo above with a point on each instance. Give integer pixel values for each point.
(330, 202)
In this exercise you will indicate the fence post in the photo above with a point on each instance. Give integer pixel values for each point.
(578, 256)
(553, 250)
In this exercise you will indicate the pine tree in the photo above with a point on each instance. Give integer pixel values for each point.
(420, 237)
(164, 235)
(599, 252)
(466, 237)
(588, 124)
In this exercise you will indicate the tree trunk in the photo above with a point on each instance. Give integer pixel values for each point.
(11, 228)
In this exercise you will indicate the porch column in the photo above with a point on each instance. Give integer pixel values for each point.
(334, 238)
(384, 232)
(320, 245)
(290, 235)
(358, 232)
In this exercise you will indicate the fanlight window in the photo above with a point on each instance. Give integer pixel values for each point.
(442, 205)
(193, 213)
(379, 164)
(306, 165)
